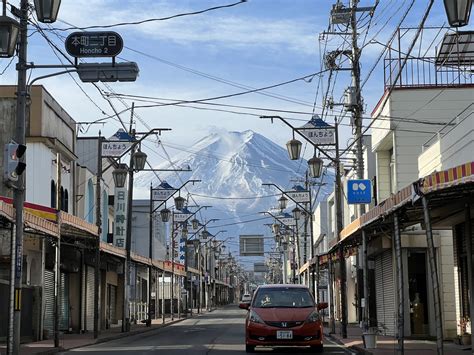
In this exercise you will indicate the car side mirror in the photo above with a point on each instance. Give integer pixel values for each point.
(244, 305)
(322, 305)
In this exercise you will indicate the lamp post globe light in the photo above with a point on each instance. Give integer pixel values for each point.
(9, 29)
(276, 228)
(283, 201)
(47, 10)
(458, 12)
(315, 165)
(296, 213)
(195, 223)
(120, 175)
(294, 149)
(179, 202)
(165, 215)
(139, 160)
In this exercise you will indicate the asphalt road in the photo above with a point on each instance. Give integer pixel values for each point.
(220, 332)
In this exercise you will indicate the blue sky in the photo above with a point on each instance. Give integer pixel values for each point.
(257, 43)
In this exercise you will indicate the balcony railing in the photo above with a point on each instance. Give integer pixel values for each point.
(424, 72)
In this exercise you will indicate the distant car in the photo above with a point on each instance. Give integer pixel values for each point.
(246, 298)
(283, 315)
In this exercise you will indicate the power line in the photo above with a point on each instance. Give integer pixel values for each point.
(152, 19)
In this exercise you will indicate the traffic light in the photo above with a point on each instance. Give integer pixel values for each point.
(13, 167)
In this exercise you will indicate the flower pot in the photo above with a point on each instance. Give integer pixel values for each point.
(466, 339)
(370, 340)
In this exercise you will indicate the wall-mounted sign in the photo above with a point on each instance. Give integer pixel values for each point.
(359, 191)
(94, 44)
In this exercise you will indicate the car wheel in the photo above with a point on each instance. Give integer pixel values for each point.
(249, 348)
(317, 348)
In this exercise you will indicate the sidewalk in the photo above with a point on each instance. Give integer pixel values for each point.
(388, 345)
(71, 341)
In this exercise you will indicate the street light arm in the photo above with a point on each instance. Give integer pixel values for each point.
(301, 135)
(204, 225)
(278, 219)
(134, 144)
(178, 189)
(284, 193)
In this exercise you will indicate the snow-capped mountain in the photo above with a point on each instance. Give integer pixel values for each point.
(232, 167)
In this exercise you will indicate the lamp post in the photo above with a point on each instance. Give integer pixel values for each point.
(458, 12)
(292, 147)
(12, 32)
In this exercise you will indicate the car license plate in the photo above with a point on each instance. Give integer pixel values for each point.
(284, 334)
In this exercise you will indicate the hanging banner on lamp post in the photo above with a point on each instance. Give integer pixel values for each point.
(120, 216)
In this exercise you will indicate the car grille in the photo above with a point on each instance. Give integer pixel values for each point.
(284, 324)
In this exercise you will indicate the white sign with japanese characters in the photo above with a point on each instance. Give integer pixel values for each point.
(181, 217)
(298, 196)
(120, 216)
(162, 194)
(115, 148)
(320, 136)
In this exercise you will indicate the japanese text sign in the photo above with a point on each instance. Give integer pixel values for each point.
(120, 216)
(94, 44)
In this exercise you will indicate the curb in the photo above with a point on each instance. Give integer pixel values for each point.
(359, 350)
(118, 336)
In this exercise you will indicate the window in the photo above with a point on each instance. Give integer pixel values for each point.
(89, 207)
(53, 194)
(66, 201)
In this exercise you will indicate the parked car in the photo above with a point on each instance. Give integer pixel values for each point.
(283, 315)
(246, 298)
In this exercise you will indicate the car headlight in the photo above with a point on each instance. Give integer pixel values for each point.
(313, 317)
(255, 318)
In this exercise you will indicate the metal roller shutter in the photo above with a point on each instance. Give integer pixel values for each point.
(48, 295)
(385, 293)
(89, 299)
(112, 304)
(64, 302)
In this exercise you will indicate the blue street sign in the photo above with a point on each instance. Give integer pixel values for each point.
(359, 191)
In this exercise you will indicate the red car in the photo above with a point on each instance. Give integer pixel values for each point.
(283, 315)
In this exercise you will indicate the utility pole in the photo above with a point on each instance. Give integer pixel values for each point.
(357, 108)
(13, 343)
(57, 261)
(339, 226)
(98, 223)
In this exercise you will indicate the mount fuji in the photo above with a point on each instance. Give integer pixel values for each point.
(232, 167)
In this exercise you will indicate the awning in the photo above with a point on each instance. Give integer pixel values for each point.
(73, 225)
(443, 188)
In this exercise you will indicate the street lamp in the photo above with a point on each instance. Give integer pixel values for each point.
(458, 12)
(9, 29)
(195, 223)
(165, 214)
(296, 213)
(294, 148)
(47, 10)
(276, 228)
(139, 160)
(120, 175)
(179, 202)
(315, 165)
(204, 234)
(283, 201)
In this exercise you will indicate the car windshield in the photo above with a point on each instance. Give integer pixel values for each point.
(283, 297)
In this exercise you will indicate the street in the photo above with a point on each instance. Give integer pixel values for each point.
(218, 332)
